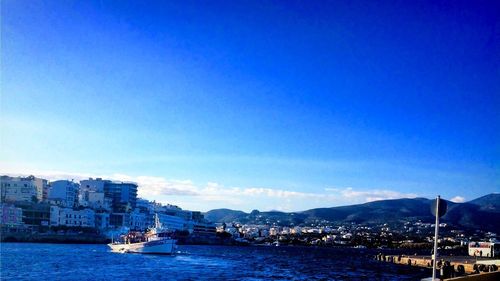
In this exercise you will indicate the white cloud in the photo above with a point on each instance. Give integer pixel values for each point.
(458, 199)
(215, 195)
(154, 186)
(352, 195)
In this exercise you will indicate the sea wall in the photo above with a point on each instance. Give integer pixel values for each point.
(77, 238)
(487, 276)
(450, 266)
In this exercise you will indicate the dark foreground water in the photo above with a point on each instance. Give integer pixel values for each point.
(25, 261)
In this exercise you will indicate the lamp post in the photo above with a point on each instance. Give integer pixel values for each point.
(438, 208)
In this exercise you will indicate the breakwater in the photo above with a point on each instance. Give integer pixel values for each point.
(448, 266)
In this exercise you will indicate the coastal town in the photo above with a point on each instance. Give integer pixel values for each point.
(409, 235)
(92, 210)
(95, 209)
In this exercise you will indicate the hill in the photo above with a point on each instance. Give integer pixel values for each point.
(376, 212)
(481, 213)
(224, 215)
(490, 202)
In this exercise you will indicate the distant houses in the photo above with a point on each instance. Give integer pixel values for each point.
(98, 204)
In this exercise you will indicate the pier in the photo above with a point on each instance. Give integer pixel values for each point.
(451, 267)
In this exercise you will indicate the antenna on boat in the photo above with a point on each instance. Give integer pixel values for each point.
(157, 221)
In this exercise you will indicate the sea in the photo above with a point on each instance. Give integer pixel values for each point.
(30, 261)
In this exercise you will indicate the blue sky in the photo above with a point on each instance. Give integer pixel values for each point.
(255, 104)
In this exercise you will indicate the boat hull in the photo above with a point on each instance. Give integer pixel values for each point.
(159, 247)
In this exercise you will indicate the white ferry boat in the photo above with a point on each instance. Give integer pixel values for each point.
(155, 241)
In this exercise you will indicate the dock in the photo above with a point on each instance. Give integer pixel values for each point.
(451, 267)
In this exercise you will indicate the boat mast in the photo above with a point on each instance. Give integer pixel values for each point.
(157, 221)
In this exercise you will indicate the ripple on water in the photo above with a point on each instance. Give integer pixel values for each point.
(25, 261)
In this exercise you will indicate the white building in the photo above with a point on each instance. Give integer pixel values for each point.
(172, 222)
(102, 220)
(233, 231)
(14, 189)
(123, 195)
(94, 199)
(296, 230)
(66, 191)
(273, 231)
(347, 236)
(91, 184)
(138, 220)
(285, 230)
(70, 217)
(329, 238)
(251, 232)
(144, 204)
(484, 249)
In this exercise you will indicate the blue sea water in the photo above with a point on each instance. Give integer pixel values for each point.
(27, 261)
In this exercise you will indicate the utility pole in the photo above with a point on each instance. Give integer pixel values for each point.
(436, 231)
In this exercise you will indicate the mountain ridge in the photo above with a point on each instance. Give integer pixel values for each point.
(480, 213)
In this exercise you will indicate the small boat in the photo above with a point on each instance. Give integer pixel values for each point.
(156, 241)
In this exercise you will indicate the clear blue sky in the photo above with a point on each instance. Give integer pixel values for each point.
(316, 98)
